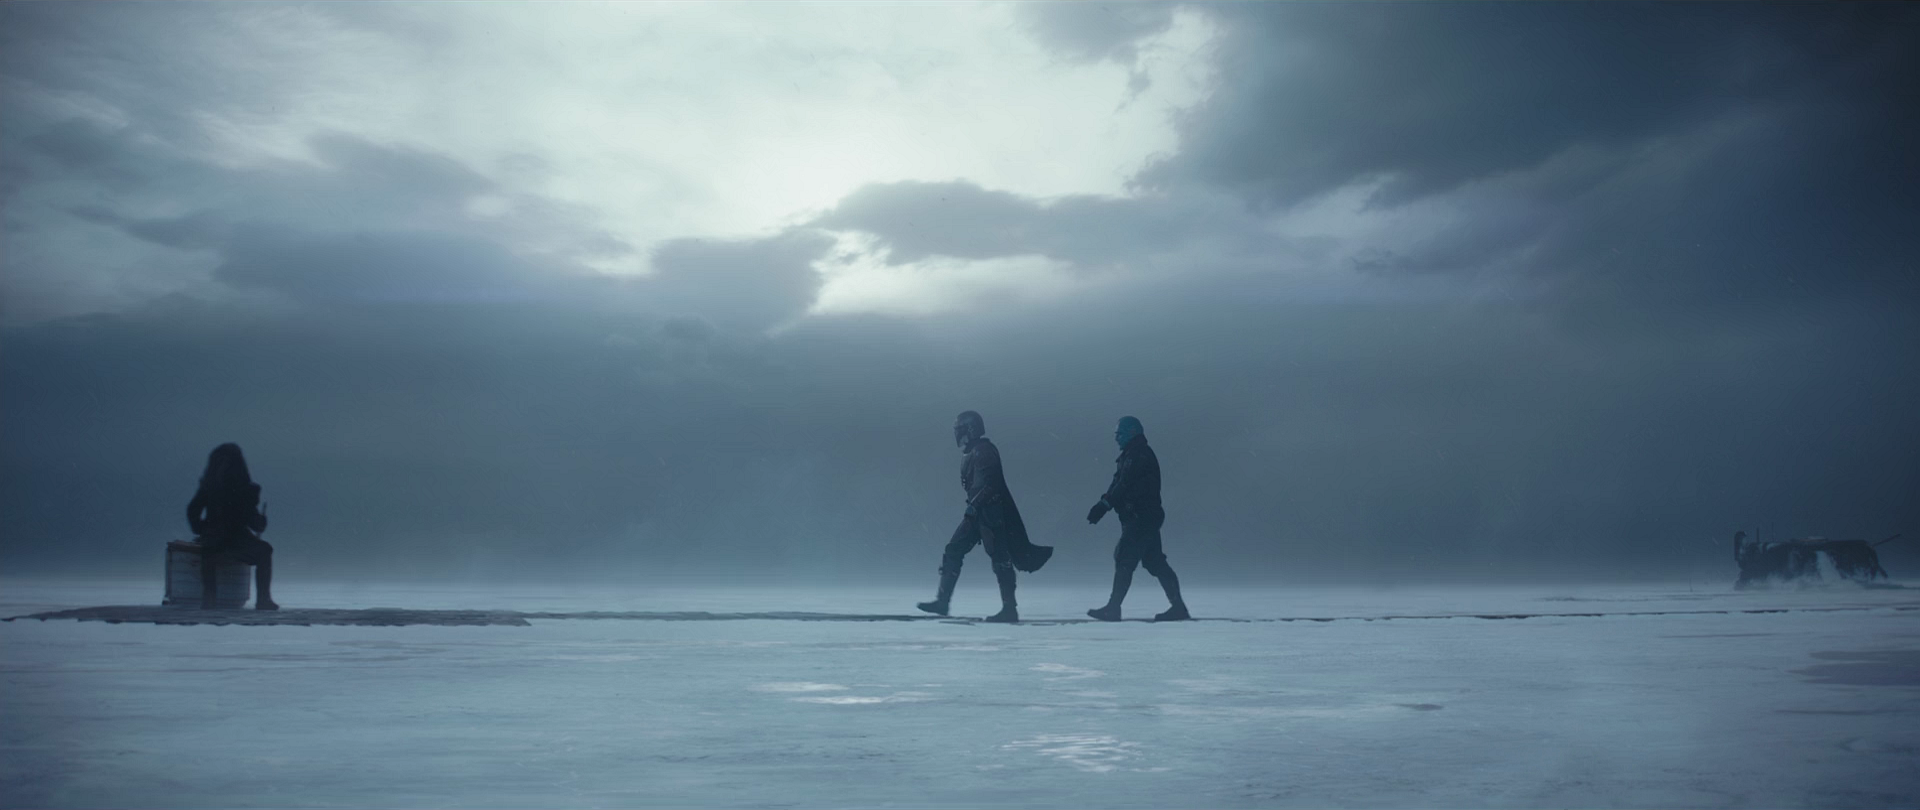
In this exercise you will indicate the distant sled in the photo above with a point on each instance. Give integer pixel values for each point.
(1789, 560)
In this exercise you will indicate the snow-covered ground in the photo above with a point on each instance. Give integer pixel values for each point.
(1661, 702)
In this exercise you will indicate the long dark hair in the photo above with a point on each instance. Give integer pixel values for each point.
(226, 470)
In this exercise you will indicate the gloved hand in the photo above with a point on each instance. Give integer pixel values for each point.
(1098, 511)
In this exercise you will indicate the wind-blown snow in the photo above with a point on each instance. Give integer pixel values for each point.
(1658, 701)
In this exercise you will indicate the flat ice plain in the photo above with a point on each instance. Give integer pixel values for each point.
(1663, 701)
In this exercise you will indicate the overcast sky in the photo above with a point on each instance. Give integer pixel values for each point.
(655, 289)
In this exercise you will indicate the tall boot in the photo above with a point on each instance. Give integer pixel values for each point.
(1170, 583)
(1009, 612)
(1122, 581)
(263, 582)
(938, 606)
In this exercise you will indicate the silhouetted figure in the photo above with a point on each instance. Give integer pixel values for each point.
(225, 514)
(1135, 495)
(991, 520)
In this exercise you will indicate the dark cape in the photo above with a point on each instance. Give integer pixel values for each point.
(992, 505)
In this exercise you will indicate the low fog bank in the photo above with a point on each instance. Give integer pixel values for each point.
(1301, 440)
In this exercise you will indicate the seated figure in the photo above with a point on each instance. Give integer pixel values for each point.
(225, 515)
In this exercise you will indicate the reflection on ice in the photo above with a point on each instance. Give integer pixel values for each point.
(1093, 753)
(799, 687)
(1062, 672)
(1213, 685)
(858, 700)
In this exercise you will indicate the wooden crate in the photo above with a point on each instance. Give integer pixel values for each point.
(233, 581)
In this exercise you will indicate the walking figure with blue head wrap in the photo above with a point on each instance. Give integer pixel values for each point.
(1135, 496)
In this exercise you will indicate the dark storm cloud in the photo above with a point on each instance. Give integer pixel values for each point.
(1794, 206)
(371, 266)
(1097, 30)
(745, 284)
(196, 231)
(365, 221)
(75, 144)
(407, 177)
(1313, 96)
(915, 221)
(166, 68)
(1685, 157)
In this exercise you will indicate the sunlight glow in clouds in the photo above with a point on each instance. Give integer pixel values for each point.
(673, 120)
(859, 279)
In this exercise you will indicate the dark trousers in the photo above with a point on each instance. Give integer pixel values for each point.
(241, 546)
(245, 547)
(970, 533)
(1139, 546)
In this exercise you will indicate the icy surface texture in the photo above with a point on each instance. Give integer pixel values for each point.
(1661, 701)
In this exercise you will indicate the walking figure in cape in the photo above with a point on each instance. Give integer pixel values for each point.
(991, 520)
